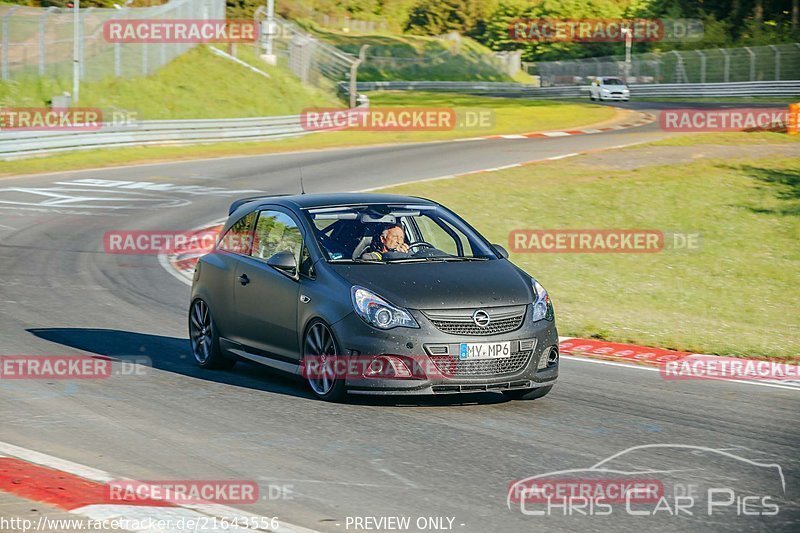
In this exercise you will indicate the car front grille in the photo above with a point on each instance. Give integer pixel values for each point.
(451, 366)
(460, 322)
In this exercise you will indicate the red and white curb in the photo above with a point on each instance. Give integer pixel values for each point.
(80, 490)
(642, 120)
(181, 265)
(647, 358)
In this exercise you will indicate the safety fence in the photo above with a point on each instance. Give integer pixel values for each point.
(716, 65)
(520, 90)
(36, 42)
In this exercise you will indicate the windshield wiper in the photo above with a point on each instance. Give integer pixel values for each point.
(437, 259)
(350, 261)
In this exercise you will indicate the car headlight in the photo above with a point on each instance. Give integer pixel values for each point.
(626, 90)
(542, 308)
(604, 90)
(379, 313)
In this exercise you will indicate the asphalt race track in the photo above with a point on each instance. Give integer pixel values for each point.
(443, 457)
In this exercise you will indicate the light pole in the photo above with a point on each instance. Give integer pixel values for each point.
(76, 51)
(628, 41)
(270, 24)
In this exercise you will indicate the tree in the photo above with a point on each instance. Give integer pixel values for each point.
(436, 17)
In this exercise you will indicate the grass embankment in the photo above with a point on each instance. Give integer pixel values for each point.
(735, 295)
(411, 57)
(509, 116)
(197, 84)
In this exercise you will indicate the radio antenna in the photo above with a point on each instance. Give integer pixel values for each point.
(302, 189)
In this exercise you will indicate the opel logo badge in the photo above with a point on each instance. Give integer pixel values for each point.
(481, 318)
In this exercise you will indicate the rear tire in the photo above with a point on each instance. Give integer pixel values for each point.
(204, 338)
(527, 394)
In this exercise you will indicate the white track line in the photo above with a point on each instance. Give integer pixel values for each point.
(651, 369)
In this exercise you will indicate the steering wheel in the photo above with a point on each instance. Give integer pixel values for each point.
(421, 244)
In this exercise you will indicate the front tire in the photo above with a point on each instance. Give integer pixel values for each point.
(320, 344)
(204, 338)
(527, 394)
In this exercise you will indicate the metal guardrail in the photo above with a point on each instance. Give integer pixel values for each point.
(521, 90)
(15, 144)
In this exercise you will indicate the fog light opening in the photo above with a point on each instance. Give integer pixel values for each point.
(552, 356)
(387, 366)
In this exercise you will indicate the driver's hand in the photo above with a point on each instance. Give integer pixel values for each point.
(402, 247)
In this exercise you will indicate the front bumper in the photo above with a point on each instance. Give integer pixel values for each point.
(359, 339)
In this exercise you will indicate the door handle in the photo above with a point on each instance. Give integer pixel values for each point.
(243, 279)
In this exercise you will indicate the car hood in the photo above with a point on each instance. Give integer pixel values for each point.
(442, 285)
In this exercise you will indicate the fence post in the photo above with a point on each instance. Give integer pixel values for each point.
(82, 32)
(118, 49)
(5, 59)
(702, 66)
(658, 68)
(362, 56)
(752, 63)
(680, 69)
(777, 61)
(43, 40)
(726, 68)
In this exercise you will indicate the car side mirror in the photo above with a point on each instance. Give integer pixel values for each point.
(500, 250)
(284, 261)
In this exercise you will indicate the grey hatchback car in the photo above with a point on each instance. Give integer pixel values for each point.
(371, 294)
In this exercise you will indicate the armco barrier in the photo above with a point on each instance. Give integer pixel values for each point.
(521, 90)
(15, 144)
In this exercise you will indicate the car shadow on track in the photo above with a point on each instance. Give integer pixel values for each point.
(173, 354)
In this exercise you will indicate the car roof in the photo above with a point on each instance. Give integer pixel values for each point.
(309, 201)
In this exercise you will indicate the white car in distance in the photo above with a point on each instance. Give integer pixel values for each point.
(609, 88)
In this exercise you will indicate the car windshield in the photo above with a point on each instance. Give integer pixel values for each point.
(387, 233)
(612, 81)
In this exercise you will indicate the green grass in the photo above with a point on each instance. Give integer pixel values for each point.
(737, 295)
(727, 100)
(410, 57)
(197, 84)
(511, 116)
(730, 138)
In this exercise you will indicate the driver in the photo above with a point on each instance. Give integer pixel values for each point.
(392, 239)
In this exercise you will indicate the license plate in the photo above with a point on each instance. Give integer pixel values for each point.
(487, 350)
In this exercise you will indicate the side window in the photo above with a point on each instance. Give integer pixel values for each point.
(238, 238)
(276, 232)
